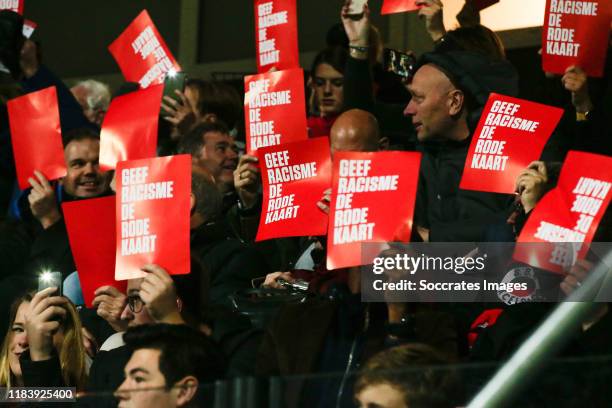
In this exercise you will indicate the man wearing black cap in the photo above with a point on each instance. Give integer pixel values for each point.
(448, 92)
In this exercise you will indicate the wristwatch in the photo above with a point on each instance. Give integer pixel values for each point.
(582, 116)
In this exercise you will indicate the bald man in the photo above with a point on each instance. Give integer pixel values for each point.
(448, 91)
(356, 131)
(437, 107)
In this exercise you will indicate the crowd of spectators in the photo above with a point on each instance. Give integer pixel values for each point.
(163, 340)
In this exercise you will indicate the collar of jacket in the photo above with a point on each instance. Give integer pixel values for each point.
(446, 145)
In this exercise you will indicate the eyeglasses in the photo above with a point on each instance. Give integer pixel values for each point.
(135, 303)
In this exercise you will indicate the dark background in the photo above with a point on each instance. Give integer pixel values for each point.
(75, 34)
(228, 27)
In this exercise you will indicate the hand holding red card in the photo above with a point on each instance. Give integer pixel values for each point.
(294, 177)
(91, 231)
(276, 35)
(576, 33)
(511, 134)
(28, 28)
(568, 216)
(152, 213)
(13, 5)
(274, 109)
(142, 54)
(373, 196)
(129, 130)
(398, 6)
(36, 136)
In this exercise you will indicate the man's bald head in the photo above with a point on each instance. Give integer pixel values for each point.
(355, 131)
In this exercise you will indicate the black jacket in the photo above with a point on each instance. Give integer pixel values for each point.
(229, 263)
(450, 213)
(105, 376)
(45, 373)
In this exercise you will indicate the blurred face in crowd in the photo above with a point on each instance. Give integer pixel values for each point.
(381, 396)
(135, 312)
(219, 157)
(328, 85)
(145, 385)
(81, 93)
(18, 342)
(18, 339)
(430, 105)
(84, 179)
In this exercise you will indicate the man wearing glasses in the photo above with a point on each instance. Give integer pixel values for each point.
(156, 298)
(157, 292)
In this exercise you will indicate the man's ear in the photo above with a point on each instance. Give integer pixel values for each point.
(186, 390)
(456, 99)
(192, 202)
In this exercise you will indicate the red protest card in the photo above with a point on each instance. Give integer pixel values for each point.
(567, 216)
(511, 134)
(28, 28)
(295, 176)
(129, 130)
(398, 6)
(274, 109)
(152, 213)
(142, 54)
(276, 35)
(373, 196)
(91, 231)
(576, 33)
(483, 4)
(13, 5)
(36, 136)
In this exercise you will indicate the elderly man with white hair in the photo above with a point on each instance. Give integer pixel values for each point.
(94, 97)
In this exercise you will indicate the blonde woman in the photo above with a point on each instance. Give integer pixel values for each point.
(44, 344)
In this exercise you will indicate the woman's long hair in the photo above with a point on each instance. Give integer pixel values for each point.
(72, 355)
(7, 379)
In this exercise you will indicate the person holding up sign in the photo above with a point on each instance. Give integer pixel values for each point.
(213, 150)
(155, 299)
(40, 206)
(442, 117)
(589, 96)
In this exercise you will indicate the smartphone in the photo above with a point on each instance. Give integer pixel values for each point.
(356, 7)
(49, 279)
(174, 82)
(400, 63)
